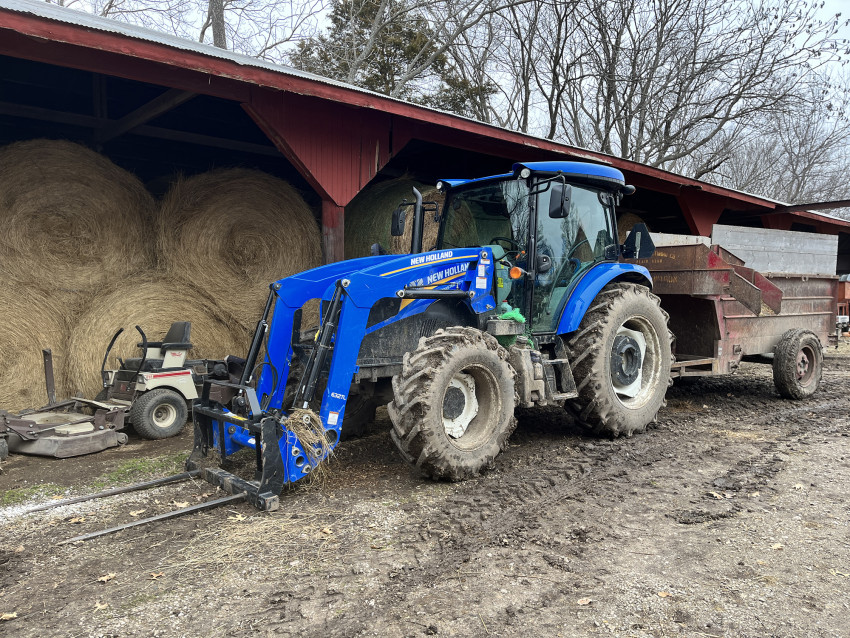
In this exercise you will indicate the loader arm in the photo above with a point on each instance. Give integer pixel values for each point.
(348, 292)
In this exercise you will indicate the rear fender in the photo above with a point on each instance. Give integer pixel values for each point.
(592, 283)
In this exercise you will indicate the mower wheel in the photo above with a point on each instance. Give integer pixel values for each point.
(453, 406)
(159, 414)
(798, 364)
(4, 449)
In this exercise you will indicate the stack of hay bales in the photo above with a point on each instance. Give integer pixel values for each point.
(73, 224)
(368, 217)
(87, 252)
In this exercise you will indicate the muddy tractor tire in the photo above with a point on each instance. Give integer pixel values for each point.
(798, 364)
(453, 407)
(159, 414)
(620, 358)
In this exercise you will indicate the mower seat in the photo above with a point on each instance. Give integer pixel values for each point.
(177, 338)
(171, 351)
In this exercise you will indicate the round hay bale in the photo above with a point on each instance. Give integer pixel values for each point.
(31, 321)
(368, 216)
(625, 223)
(71, 218)
(153, 303)
(231, 232)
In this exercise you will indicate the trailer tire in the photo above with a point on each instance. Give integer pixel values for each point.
(159, 414)
(620, 387)
(798, 364)
(453, 407)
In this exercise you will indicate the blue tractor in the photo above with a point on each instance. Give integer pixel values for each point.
(522, 302)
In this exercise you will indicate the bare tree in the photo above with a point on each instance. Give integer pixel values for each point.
(660, 80)
(799, 155)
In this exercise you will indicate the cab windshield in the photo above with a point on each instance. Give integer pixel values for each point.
(494, 213)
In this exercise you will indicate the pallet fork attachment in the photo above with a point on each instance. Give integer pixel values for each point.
(265, 430)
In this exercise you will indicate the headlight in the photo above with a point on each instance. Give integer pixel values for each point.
(525, 173)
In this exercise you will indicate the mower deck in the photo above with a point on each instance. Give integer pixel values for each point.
(61, 430)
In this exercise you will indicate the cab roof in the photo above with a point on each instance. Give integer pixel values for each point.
(595, 174)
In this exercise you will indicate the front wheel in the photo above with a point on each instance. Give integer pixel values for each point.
(159, 414)
(798, 364)
(620, 357)
(453, 407)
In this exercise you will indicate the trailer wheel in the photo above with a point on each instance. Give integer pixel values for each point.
(620, 358)
(453, 409)
(798, 364)
(159, 414)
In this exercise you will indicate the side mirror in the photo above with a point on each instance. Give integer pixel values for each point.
(559, 200)
(397, 226)
(639, 244)
(544, 264)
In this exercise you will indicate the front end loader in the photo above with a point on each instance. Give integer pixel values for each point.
(522, 302)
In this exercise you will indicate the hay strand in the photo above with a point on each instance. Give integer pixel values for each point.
(307, 426)
(152, 303)
(72, 220)
(231, 232)
(31, 321)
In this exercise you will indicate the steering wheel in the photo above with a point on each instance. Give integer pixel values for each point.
(514, 246)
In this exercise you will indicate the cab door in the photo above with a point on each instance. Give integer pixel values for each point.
(574, 244)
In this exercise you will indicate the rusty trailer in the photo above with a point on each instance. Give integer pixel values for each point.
(722, 313)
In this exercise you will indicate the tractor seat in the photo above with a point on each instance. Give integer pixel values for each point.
(177, 338)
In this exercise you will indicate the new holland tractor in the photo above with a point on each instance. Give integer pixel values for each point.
(521, 302)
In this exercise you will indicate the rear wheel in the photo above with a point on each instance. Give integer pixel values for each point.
(453, 409)
(620, 357)
(798, 364)
(159, 414)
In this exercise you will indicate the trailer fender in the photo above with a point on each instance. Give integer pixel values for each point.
(589, 286)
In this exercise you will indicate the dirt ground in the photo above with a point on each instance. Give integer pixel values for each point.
(729, 518)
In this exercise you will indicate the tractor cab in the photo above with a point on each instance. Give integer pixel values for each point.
(553, 221)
